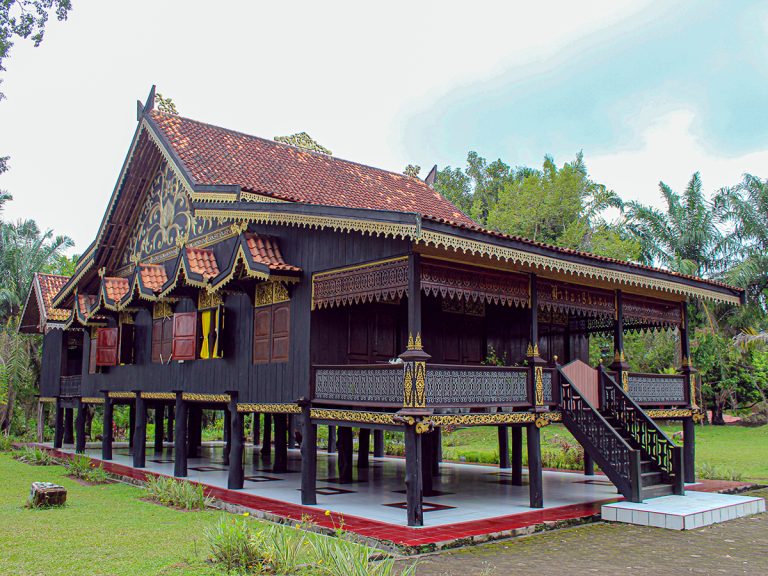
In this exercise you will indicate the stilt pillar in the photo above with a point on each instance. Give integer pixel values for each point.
(535, 474)
(107, 435)
(180, 438)
(689, 450)
(413, 486)
(69, 426)
(159, 427)
(80, 427)
(332, 447)
(308, 456)
(170, 423)
(131, 424)
(426, 464)
(58, 425)
(281, 443)
(503, 433)
(140, 437)
(227, 435)
(517, 456)
(378, 444)
(589, 465)
(235, 479)
(266, 448)
(363, 447)
(345, 449)
(256, 429)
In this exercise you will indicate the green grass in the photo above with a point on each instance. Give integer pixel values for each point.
(103, 529)
(736, 448)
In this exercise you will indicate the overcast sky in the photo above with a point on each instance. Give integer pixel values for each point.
(649, 91)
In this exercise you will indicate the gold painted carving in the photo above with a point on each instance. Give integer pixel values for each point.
(692, 380)
(414, 384)
(271, 293)
(270, 408)
(539, 375)
(492, 419)
(354, 416)
(533, 349)
(672, 413)
(206, 300)
(161, 309)
(191, 397)
(541, 422)
(91, 400)
(625, 381)
(122, 395)
(46, 399)
(158, 395)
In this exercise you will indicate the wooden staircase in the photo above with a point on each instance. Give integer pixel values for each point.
(620, 437)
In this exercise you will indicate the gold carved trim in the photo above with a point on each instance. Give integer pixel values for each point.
(213, 196)
(46, 399)
(252, 197)
(270, 408)
(270, 293)
(161, 309)
(671, 413)
(494, 418)
(158, 395)
(354, 416)
(122, 395)
(193, 397)
(207, 300)
(311, 221)
(625, 381)
(539, 381)
(91, 400)
(438, 239)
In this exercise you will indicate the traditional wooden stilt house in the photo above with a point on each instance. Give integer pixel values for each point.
(244, 275)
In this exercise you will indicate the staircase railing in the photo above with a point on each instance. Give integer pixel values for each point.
(619, 461)
(652, 440)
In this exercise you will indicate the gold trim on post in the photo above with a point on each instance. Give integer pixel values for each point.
(625, 381)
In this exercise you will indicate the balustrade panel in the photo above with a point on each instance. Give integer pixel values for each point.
(657, 389)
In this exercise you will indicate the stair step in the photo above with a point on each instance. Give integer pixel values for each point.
(656, 490)
(646, 466)
(651, 478)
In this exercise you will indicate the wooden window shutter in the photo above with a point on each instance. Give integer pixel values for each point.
(166, 342)
(262, 329)
(92, 357)
(281, 327)
(106, 346)
(184, 336)
(157, 340)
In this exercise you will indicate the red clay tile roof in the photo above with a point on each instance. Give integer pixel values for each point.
(265, 250)
(203, 262)
(214, 155)
(50, 284)
(153, 276)
(116, 288)
(85, 303)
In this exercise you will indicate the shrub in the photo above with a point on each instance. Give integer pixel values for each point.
(83, 468)
(706, 471)
(235, 544)
(34, 456)
(341, 557)
(6, 444)
(177, 493)
(758, 417)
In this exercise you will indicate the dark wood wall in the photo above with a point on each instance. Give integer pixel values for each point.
(51, 366)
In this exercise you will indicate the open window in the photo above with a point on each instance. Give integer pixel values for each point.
(210, 326)
(271, 324)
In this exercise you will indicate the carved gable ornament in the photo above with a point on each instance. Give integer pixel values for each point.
(164, 223)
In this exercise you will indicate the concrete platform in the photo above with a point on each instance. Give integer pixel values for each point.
(694, 510)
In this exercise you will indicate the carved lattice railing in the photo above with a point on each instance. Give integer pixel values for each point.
(658, 389)
(70, 385)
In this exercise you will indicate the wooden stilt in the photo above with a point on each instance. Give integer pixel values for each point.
(266, 447)
(378, 444)
(159, 427)
(235, 479)
(281, 443)
(58, 425)
(140, 438)
(107, 432)
(80, 427)
(180, 438)
(171, 424)
(291, 435)
(194, 430)
(40, 421)
(689, 450)
(308, 457)
(427, 444)
(363, 447)
(131, 424)
(256, 429)
(332, 447)
(589, 465)
(69, 426)
(535, 475)
(413, 488)
(227, 435)
(503, 432)
(517, 456)
(437, 451)
(345, 450)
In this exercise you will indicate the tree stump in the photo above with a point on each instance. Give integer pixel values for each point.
(47, 494)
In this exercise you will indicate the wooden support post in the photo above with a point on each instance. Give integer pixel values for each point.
(619, 364)
(345, 454)
(437, 451)
(589, 465)
(427, 443)
(266, 448)
(159, 427)
(256, 429)
(517, 456)
(140, 441)
(378, 444)
(180, 438)
(281, 443)
(413, 486)
(194, 430)
(107, 430)
(689, 450)
(58, 425)
(40, 421)
(332, 440)
(227, 435)
(80, 427)
(503, 433)
(363, 447)
(308, 456)
(535, 362)
(535, 474)
(69, 426)
(236, 475)
(170, 423)
(290, 427)
(131, 424)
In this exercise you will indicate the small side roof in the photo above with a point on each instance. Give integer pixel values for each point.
(38, 309)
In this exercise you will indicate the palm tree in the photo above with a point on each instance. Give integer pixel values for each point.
(684, 238)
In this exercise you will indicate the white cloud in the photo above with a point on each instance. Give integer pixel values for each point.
(671, 151)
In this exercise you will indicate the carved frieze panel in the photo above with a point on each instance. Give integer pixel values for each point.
(375, 281)
(575, 299)
(639, 310)
(473, 284)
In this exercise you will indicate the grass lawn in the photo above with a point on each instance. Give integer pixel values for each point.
(728, 447)
(102, 530)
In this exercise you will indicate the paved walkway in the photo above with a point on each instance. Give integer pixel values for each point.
(735, 547)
